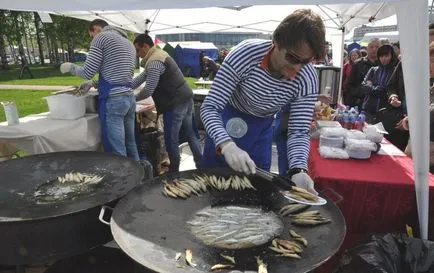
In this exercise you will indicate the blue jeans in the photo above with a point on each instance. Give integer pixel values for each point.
(179, 122)
(120, 119)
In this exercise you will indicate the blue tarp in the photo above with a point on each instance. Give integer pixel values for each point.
(188, 57)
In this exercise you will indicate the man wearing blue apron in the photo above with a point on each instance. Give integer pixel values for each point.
(111, 55)
(255, 81)
(280, 133)
(172, 96)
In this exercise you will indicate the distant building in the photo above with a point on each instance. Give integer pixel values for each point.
(220, 40)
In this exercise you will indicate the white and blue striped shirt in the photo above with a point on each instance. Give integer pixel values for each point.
(249, 88)
(113, 56)
(152, 77)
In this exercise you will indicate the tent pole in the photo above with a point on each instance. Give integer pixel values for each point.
(340, 99)
(413, 34)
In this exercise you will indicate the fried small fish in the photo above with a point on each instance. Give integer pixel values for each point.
(229, 258)
(189, 258)
(262, 267)
(221, 266)
(178, 256)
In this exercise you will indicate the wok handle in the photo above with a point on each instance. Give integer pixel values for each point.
(336, 195)
(102, 214)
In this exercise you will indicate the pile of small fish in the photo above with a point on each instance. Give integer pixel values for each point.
(300, 194)
(292, 208)
(76, 177)
(68, 186)
(289, 248)
(183, 188)
(220, 183)
(234, 227)
(310, 218)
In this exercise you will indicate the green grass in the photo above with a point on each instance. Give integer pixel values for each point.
(43, 75)
(31, 102)
(49, 75)
(28, 101)
(191, 81)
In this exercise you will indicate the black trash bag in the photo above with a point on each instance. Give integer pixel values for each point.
(391, 253)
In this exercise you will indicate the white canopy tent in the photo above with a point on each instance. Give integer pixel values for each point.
(413, 30)
(239, 19)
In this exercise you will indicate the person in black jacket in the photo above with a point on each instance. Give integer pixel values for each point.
(375, 83)
(354, 94)
(172, 96)
(396, 109)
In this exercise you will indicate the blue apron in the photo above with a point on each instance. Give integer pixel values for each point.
(104, 88)
(281, 142)
(251, 134)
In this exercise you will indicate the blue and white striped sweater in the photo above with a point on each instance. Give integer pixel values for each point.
(247, 87)
(113, 56)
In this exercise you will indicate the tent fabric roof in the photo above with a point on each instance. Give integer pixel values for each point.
(74, 5)
(263, 18)
(166, 17)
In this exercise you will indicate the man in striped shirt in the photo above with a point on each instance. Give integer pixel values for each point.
(113, 56)
(172, 96)
(255, 80)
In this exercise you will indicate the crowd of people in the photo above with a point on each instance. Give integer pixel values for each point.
(375, 83)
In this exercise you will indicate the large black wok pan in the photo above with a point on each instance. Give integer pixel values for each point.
(151, 228)
(31, 232)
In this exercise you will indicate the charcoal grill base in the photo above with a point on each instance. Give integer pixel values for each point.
(102, 259)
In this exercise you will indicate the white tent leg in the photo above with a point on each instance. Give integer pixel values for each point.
(413, 32)
(340, 97)
(338, 57)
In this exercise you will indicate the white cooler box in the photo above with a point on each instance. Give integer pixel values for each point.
(66, 106)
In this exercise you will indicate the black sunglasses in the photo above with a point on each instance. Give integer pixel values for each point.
(294, 59)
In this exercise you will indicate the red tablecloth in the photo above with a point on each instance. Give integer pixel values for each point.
(378, 194)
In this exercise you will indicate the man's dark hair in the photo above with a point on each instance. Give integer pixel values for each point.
(97, 22)
(431, 26)
(385, 50)
(142, 39)
(302, 26)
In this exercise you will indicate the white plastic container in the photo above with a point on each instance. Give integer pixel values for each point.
(66, 106)
(359, 154)
(336, 142)
(11, 113)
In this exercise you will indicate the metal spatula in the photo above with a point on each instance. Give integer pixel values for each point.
(280, 181)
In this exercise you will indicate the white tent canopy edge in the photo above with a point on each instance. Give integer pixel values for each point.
(74, 5)
(413, 27)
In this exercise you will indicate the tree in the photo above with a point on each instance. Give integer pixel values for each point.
(37, 22)
(4, 61)
(16, 35)
(24, 28)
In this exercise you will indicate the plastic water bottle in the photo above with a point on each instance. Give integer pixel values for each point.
(345, 119)
(339, 116)
(351, 120)
(362, 119)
